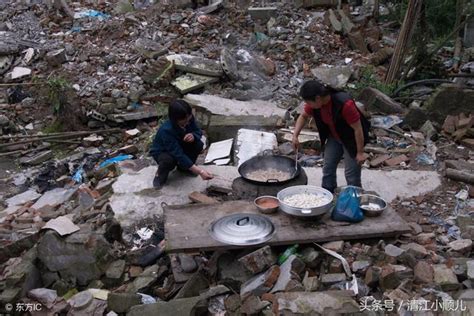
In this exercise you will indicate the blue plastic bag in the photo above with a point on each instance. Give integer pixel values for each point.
(114, 160)
(348, 207)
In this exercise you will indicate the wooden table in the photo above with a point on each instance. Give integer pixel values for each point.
(186, 227)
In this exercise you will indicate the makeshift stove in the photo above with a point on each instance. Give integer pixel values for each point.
(246, 190)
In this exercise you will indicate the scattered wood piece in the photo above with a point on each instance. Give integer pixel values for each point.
(459, 175)
(198, 197)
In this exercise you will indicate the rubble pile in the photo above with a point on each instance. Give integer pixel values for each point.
(81, 231)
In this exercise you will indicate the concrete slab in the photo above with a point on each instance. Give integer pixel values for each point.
(224, 117)
(196, 65)
(336, 76)
(135, 199)
(251, 143)
(190, 82)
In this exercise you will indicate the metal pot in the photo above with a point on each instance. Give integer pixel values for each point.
(281, 163)
(305, 212)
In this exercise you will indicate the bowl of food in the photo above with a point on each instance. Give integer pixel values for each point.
(305, 200)
(372, 205)
(267, 204)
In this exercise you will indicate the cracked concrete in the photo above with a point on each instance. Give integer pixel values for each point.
(135, 199)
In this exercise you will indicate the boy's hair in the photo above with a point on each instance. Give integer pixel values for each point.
(312, 89)
(179, 110)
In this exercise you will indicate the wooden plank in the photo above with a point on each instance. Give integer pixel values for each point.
(186, 227)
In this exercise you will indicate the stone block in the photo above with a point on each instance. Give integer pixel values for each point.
(262, 13)
(122, 302)
(445, 278)
(259, 260)
(376, 101)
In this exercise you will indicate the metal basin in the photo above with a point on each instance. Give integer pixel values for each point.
(372, 205)
(305, 212)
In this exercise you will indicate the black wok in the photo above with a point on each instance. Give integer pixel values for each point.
(280, 163)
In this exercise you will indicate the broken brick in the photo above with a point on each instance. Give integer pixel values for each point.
(198, 197)
(379, 160)
(395, 161)
(259, 260)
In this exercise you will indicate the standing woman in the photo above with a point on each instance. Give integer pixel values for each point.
(342, 128)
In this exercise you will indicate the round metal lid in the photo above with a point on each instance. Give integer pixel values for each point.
(242, 229)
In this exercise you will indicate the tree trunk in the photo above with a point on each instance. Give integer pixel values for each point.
(404, 38)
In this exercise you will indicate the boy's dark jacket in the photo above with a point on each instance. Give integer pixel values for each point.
(169, 139)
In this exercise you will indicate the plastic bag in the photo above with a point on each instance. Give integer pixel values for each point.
(348, 207)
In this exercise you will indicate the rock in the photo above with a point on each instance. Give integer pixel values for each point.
(415, 118)
(37, 158)
(252, 305)
(428, 130)
(135, 271)
(376, 101)
(336, 76)
(470, 270)
(337, 246)
(122, 302)
(393, 251)
(392, 275)
(114, 273)
(10, 295)
(187, 262)
(150, 49)
(372, 276)
(104, 186)
(311, 257)
(381, 55)
(121, 103)
(397, 160)
(415, 228)
(286, 149)
(145, 279)
(225, 116)
(4, 121)
(54, 197)
(461, 245)
(184, 306)
(191, 82)
(46, 297)
(423, 272)
(379, 160)
(332, 278)
(449, 100)
(425, 238)
(310, 283)
(417, 250)
(71, 256)
(262, 13)
(232, 304)
(262, 283)
(335, 23)
(23, 198)
(445, 278)
(92, 141)
(194, 286)
(259, 260)
(290, 275)
(316, 303)
(19, 72)
(196, 65)
(357, 42)
(335, 266)
(215, 291)
(360, 266)
(56, 57)
(231, 272)
(198, 197)
(81, 300)
(468, 142)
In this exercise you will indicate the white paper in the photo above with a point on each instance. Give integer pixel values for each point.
(219, 150)
(62, 225)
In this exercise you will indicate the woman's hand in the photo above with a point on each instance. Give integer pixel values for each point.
(206, 175)
(188, 138)
(360, 158)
